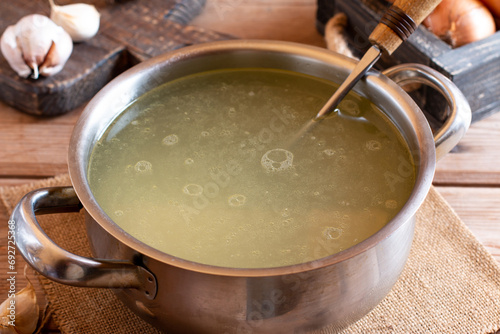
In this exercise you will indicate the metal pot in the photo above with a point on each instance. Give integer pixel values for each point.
(182, 296)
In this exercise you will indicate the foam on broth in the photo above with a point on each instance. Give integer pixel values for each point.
(202, 168)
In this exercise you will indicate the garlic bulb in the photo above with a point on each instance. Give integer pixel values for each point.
(19, 313)
(80, 20)
(36, 45)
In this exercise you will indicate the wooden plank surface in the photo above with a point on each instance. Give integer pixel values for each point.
(469, 178)
(476, 159)
(33, 147)
(286, 20)
(479, 209)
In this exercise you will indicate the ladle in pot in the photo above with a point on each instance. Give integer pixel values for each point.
(397, 24)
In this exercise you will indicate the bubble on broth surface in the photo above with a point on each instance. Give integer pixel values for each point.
(329, 152)
(188, 161)
(237, 200)
(192, 189)
(143, 167)
(373, 145)
(170, 140)
(332, 233)
(285, 212)
(277, 160)
(391, 204)
(350, 107)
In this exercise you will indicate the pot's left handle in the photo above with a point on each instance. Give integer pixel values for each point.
(60, 265)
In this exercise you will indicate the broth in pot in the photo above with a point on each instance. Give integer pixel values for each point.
(204, 168)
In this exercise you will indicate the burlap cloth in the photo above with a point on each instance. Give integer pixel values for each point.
(451, 284)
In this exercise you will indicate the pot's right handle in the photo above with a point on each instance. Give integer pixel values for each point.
(459, 117)
(60, 265)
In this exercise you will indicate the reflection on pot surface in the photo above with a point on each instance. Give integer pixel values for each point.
(203, 168)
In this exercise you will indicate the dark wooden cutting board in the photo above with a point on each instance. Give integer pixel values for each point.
(131, 31)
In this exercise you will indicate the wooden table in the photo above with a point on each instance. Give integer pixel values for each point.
(33, 148)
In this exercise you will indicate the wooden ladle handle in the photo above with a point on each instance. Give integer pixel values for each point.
(399, 22)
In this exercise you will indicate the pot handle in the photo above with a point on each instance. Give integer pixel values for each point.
(64, 267)
(459, 115)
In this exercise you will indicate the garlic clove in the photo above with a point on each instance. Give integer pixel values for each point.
(58, 54)
(80, 20)
(24, 318)
(13, 53)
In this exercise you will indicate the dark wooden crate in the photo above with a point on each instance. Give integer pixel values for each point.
(474, 68)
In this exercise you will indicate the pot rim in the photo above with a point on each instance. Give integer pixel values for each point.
(79, 148)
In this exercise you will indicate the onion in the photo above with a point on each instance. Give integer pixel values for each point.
(459, 22)
(493, 6)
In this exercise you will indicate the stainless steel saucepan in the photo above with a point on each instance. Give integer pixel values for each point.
(186, 297)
